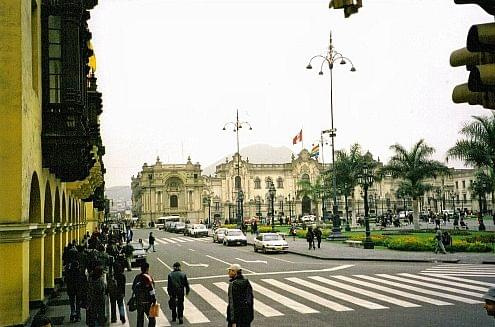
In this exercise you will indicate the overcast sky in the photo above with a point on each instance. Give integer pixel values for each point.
(173, 72)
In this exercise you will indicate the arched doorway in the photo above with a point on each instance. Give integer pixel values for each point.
(49, 217)
(34, 201)
(306, 205)
(36, 244)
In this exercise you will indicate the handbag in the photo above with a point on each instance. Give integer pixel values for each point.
(154, 310)
(132, 304)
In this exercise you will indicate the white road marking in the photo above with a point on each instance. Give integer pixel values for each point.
(163, 263)
(337, 294)
(252, 261)
(195, 264)
(283, 260)
(259, 306)
(420, 290)
(371, 294)
(178, 239)
(210, 297)
(446, 282)
(228, 264)
(431, 285)
(308, 296)
(169, 240)
(477, 282)
(185, 239)
(192, 250)
(283, 300)
(161, 241)
(191, 313)
(393, 291)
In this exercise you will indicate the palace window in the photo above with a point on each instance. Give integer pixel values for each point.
(237, 182)
(268, 182)
(280, 182)
(257, 183)
(54, 58)
(463, 184)
(174, 203)
(305, 177)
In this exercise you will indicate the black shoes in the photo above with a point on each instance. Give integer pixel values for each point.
(174, 319)
(181, 321)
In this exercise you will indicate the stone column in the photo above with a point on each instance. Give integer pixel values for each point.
(57, 258)
(14, 288)
(49, 263)
(36, 266)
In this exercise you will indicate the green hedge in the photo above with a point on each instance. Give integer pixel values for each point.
(378, 239)
(408, 243)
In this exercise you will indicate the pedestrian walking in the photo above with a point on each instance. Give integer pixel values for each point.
(240, 311)
(489, 298)
(292, 232)
(177, 287)
(151, 241)
(143, 287)
(116, 291)
(128, 252)
(310, 238)
(95, 313)
(456, 221)
(439, 245)
(73, 281)
(437, 221)
(318, 236)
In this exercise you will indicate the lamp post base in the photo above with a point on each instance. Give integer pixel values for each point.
(368, 243)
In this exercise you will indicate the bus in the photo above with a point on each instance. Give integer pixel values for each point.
(160, 222)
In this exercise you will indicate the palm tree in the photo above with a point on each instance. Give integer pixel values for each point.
(482, 184)
(478, 149)
(413, 167)
(345, 169)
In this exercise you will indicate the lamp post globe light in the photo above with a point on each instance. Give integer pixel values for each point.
(366, 180)
(330, 58)
(237, 181)
(271, 192)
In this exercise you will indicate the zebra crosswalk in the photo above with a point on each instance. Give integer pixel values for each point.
(465, 270)
(276, 297)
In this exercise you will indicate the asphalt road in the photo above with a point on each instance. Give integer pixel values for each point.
(292, 290)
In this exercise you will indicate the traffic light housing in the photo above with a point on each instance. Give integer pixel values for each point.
(479, 58)
(350, 6)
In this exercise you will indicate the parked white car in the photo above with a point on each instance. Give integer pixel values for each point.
(234, 236)
(308, 218)
(219, 234)
(270, 242)
(196, 230)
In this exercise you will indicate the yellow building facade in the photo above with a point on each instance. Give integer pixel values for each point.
(41, 209)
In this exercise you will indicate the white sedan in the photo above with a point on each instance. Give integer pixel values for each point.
(234, 236)
(270, 242)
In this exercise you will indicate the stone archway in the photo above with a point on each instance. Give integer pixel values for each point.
(34, 200)
(56, 213)
(48, 210)
(306, 205)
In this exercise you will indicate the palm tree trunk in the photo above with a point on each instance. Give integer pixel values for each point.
(346, 209)
(415, 213)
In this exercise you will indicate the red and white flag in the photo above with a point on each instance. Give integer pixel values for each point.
(297, 138)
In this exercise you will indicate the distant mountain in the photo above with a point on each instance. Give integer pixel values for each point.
(257, 153)
(122, 193)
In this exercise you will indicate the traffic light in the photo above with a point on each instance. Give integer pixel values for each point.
(350, 6)
(479, 58)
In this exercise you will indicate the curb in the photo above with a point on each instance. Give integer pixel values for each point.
(375, 259)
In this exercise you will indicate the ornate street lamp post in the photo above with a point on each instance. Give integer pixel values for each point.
(237, 181)
(271, 192)
(330, 58)
(366, 180)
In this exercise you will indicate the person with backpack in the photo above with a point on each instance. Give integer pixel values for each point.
(143, 288)
(439, 245)
(151, 241)
(240, 294)
(116, 291)
(177, 282)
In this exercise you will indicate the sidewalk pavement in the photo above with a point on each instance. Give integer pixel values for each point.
(337, 250)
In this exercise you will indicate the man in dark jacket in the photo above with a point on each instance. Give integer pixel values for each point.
(240, 311)
(144, 290)
(116, 291)
(310, 237)
(177, 282)
(318, 236)
(151, 241)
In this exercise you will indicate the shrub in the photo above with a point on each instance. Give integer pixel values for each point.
(378, 239)
(301, 233)
(267, 229)
(230, 226)
(483, 238)
(409, 243)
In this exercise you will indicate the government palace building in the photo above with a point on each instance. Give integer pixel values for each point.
(181, 189)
